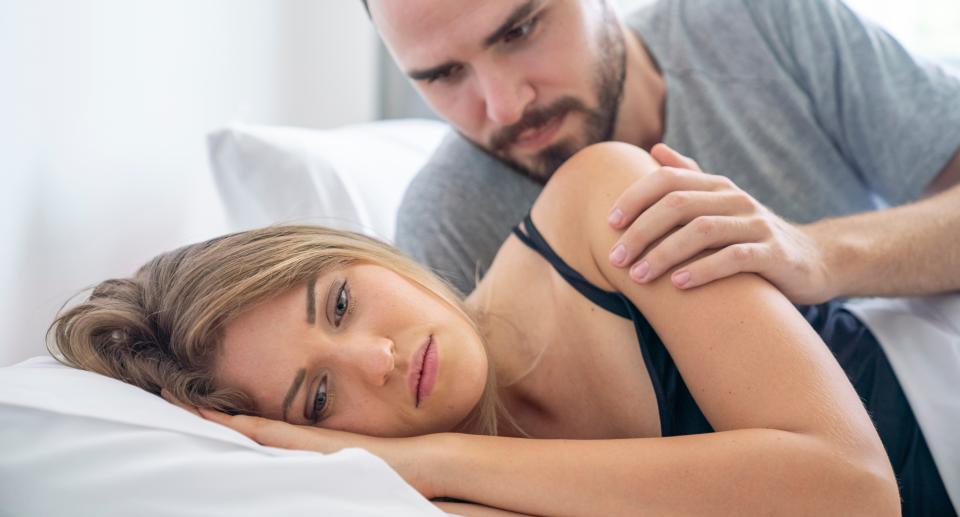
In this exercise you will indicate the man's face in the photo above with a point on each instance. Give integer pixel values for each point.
(530, 81)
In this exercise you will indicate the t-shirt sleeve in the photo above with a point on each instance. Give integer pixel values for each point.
(459, 209)
(897, 118)
(427, 232)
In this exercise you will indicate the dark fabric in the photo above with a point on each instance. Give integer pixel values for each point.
(862, 358)
(851, 342)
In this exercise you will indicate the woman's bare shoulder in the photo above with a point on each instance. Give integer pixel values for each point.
(598, 173)
(572, 211)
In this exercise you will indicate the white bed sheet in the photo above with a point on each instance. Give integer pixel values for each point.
(74, 443)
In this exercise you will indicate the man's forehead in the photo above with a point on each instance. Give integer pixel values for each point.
(419, 32)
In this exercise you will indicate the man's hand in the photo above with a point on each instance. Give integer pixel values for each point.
(714, 216)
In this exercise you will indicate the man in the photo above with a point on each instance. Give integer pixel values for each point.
(820, 116)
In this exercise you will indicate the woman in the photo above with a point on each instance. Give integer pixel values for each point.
(331, 340)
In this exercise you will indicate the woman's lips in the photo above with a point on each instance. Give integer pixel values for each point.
(423, 371)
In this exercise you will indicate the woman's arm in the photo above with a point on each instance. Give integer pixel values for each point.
(475, 510)
(793, 437)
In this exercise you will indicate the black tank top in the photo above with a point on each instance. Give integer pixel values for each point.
(851, 342)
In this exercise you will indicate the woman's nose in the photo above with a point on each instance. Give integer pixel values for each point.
(376, 360)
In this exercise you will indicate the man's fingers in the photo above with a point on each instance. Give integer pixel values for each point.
(736, 258)
(674, 209)
(702, 234)
(650, 188)
(668, 156)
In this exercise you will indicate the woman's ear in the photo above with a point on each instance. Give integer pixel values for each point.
(183, 405)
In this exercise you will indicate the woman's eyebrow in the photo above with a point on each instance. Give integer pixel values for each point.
(292, 392)
(312, 301)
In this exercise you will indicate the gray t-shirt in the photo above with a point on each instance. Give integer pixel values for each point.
(811, 110)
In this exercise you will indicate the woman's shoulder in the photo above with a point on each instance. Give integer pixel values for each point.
(572, 211)
(597, 171)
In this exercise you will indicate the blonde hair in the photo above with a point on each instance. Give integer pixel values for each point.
(161, 328)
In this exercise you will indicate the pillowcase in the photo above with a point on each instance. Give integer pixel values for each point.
(350, 178)
(74, 442)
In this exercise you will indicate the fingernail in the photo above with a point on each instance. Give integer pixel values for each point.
(616, 217)
(619, 255)
(681, 278)
(639, 271)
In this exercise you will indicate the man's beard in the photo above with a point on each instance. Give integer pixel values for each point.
(598, 123)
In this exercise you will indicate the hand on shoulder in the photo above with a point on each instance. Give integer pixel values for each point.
(679, 215)
(571, 212)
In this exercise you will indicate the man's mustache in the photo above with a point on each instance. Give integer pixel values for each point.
(531, 119)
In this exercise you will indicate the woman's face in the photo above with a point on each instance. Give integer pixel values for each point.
(361, 349)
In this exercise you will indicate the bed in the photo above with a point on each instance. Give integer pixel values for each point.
(76, 443)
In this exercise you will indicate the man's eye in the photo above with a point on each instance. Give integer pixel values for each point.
(340, 309)
(446, 74)
(520, 31)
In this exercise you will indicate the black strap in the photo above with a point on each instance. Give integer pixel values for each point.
(654, 354)
(610, 301)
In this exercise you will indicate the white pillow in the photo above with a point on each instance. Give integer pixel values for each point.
(351, 177)
(77, 443)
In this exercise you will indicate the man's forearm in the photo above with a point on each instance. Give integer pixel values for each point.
(903, 251)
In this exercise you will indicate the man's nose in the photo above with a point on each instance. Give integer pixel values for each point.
(376, 359)
(506, 95)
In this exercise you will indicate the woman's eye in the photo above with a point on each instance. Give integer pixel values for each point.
(520, 31)
(340, 309)
(320, 401)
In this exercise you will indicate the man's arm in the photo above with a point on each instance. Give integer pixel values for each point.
(894, 118)
(912, 249)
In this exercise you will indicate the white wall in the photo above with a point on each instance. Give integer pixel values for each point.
(929, 28)
(104, 105)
